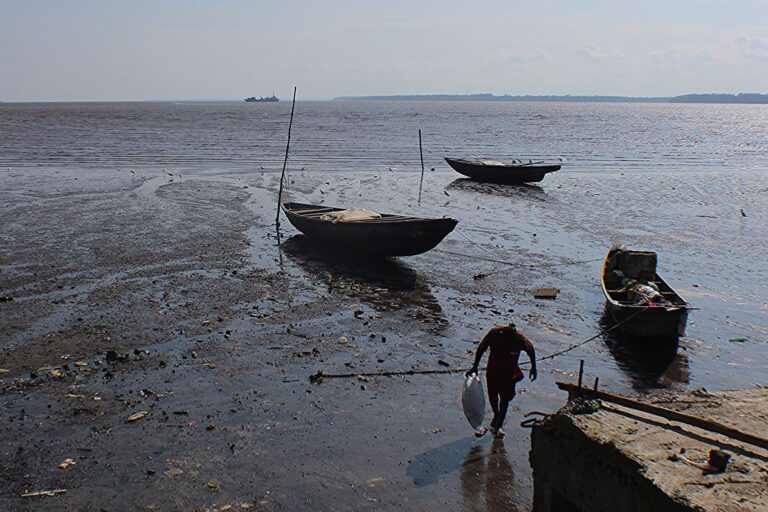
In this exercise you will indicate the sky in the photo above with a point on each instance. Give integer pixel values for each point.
(89, 50)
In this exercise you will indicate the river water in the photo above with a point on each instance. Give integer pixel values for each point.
(687, 181)
(370, 136)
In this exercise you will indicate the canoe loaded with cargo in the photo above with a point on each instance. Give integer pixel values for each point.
(514, 173)
(638, 299)
(362, 231)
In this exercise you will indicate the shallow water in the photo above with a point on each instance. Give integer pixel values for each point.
(370, 136)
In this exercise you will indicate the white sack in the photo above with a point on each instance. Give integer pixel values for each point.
(350, 215)
(473, 400)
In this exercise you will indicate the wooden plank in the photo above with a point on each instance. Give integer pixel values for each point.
(545, 293)
(389, 220)
(704, 424)
(318, 213)
(315, 214)
(313, 211)
(378, 219)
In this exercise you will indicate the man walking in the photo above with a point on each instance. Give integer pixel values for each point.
(504, 372)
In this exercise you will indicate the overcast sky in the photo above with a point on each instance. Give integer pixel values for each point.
(134, 50)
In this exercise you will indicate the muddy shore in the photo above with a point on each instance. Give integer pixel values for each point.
(165, 292)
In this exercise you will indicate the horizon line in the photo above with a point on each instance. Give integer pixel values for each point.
(448, 96)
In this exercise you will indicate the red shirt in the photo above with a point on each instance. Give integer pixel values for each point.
(505, 352)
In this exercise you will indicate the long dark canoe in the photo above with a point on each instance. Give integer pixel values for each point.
(390, 235)
(497, 172)
(661, 321)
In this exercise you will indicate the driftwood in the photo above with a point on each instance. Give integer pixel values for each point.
(669, 414)
(52, 492)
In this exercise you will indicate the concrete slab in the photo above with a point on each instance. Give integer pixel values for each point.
(622, 459)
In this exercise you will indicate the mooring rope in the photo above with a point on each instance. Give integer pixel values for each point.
(495, 259)
(319, 375)
(513, 264)
(600, 333)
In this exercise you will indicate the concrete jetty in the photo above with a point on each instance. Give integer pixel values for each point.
(599, 456)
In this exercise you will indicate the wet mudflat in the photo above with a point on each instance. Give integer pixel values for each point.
(215, 330)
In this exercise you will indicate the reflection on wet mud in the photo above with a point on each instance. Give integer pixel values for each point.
(385, 283)
(486, 474)
(487, 478)
(649, 363)
(524, 191)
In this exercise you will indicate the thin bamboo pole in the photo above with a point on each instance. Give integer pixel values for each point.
(421, 153)
(285, 162)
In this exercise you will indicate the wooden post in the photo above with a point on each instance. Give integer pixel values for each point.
(421, 153)
(597, 380)
(285, 162)
(581, 376)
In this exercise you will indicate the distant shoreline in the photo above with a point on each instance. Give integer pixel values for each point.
(741, 98)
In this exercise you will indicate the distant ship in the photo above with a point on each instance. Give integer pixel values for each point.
(261, 99)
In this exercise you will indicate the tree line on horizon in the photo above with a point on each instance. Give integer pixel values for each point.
(744, 98)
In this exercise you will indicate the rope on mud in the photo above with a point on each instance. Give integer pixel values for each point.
(513, 264)
(600, 333)
(320, 375)
(495, 259)
(304, 197)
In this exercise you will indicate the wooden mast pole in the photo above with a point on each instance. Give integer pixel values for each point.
(421, 153)
(285, 162)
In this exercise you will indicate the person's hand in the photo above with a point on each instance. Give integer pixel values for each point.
(532, 375)
(471, 371)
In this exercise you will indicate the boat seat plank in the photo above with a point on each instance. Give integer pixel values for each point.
(387, 218)
(382, 219)
(313, 211)
(390, 219)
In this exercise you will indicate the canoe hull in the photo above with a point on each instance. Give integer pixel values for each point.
(505, 174)
(652, 323)
(639, 320)
(381, 237)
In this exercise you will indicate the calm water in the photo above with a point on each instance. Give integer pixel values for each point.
(373, 136)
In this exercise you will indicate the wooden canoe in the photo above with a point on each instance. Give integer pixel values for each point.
(390, 235)
(639, 320)
(497, 172)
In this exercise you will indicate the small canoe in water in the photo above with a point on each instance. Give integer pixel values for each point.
(385, 235)
(499, 172)
(663, 319)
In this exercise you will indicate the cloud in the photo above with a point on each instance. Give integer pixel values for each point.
(681, 56)
(517, 56)
(753, 47)
(594, 54)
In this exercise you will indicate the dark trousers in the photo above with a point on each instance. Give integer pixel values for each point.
(499, 394)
